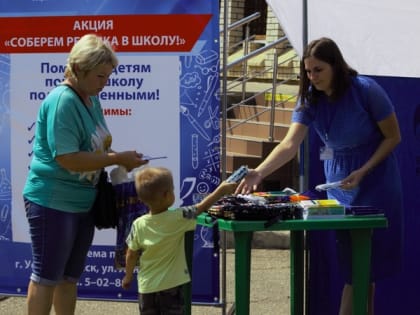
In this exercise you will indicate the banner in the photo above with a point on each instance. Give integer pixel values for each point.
(161, 100)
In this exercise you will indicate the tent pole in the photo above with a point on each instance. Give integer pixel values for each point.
(304, 148)
(223, 148)
(304, 165)
(304, 22)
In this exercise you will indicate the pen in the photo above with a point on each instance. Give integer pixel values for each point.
(211, 84)
(149, 158)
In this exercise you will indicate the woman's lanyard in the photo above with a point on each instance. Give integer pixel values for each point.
(325, 152)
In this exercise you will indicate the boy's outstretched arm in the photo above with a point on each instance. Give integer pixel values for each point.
(131, 259)
(225, 188)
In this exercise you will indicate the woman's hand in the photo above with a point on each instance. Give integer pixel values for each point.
(249, 183)
(131, 160)
(353, 180)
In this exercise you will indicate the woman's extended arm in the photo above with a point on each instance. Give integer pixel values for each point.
(280, 155)
(90, 161)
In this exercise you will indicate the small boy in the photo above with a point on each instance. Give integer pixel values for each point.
(159, 238)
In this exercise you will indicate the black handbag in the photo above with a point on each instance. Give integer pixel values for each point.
(105, 211)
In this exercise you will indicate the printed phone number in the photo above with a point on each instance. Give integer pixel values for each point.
(100, 283)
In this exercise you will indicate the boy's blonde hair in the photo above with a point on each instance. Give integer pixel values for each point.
(88, 52)
(151, 182)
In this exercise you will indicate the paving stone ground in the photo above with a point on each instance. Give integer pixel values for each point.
(270, 294)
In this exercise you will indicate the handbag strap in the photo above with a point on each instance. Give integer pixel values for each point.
(81, 99)
(88, 111)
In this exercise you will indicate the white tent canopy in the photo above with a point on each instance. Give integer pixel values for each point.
(376, 37)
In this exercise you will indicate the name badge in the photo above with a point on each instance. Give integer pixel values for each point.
(326, 153)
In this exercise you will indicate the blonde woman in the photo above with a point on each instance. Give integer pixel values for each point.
(72, 144)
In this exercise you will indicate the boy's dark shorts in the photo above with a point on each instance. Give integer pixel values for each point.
(167, 302)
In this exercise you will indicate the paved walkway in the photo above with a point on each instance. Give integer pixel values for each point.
(269, 290)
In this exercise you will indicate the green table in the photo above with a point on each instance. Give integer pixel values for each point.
(361, 230)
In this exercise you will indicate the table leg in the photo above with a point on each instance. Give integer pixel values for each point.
(361, 252)
(296, 272)
(189, 250)
(242, 271)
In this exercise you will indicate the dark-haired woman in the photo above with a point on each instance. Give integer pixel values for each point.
(356, 122)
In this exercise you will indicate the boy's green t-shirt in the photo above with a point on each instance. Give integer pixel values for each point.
(160, 238)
